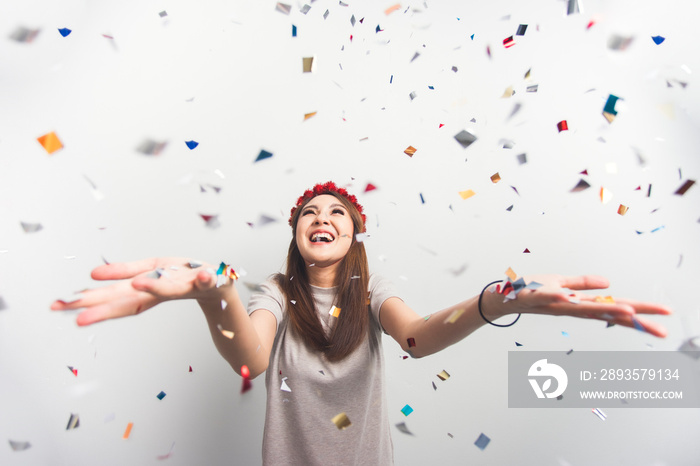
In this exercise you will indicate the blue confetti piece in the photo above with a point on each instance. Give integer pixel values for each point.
(472, 36)
(391, 80)
(518, 344)
(658, 228)
(406, 410)
(422, 200)
(64, 31)
(610, 105)
(482, 441)
(378, 29)
(191, 144)
(294, 31)
(161, 395)
(431, 88)
(638, 325)
(263, 155)
(658, 39)
(566, 334)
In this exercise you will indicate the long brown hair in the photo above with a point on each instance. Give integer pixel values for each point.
(351, 284)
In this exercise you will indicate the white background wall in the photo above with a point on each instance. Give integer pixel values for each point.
(229, 75)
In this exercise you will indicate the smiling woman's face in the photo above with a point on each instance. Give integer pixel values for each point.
(324, 231)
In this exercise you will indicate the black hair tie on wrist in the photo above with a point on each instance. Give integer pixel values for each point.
(482, 313)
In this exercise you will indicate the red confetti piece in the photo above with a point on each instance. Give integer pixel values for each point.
(526, 251)
(508, 42)
(562, 126)
(411, 342)
(370, 187)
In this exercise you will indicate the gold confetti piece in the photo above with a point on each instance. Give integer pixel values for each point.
(309, 115)
(308, 64)
(495, 178)
(609, 116)
(508, 92)
(50, 142)
(466, 194)
(443, 375)
(605, 195)
(512, 275)
(454, 316)
(227, 333)
(410, 150)
(127, 432)
(606, 299)
(73, 422)
(335, 311)
(622, 210)
(341, 421)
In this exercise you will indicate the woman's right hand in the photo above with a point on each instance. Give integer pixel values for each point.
(137, 291)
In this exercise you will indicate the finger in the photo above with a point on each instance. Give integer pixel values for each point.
(205, 280)
(164, 286)
(646, 308)
(123, 270)
(644, 325)
(114, 309)
(585, 282)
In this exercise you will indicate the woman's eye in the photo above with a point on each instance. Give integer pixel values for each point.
(339, 211)
(306, 212)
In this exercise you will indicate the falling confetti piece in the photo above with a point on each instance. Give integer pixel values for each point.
(309, 115)
(335, 311)
(284, 387)
(161, 395)
(495, 178)
(308, 64)
(191, 144)
(227, 333)
(341, 421)
(50, 142)
(572, 7)
(283, 8)
(685, 187)
(562, 126)
(605, 195)
(190, 370)
(392, 8)
(638, 325)
(64, 31)
(526, 251)
(508, 93)
(370, 187)
(511, 274)
(658, 39)
(3, 304)
(599, 413)
(454, 316)
(151, 147)
(622, 210)
(22, 34)
(521, 32)
(566, 334)
(73, 370)
(168, 454)
(403, 428)
(263, 155)
(443, 375)
(620, 43)
(532, 88)
(466, 194)
(246, 384)
(73, 422)
(465, 138)
(482, 441)
(410, 150)
(163, 14)
(31, 227)
(508, 42)
(582, 185)
(518, 344)
(406, 410)
(19, 446)
(609, 111)
(127, 432)
(422, 199)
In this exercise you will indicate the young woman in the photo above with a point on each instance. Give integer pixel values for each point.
(316, 329)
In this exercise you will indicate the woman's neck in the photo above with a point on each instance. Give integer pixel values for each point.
(322, 277)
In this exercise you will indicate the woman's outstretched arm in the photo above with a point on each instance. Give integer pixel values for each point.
(558, 296)
(141, 285)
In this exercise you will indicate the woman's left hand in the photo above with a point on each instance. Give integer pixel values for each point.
(562, 296)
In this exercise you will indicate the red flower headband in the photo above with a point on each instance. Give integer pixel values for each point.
(326, 188)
